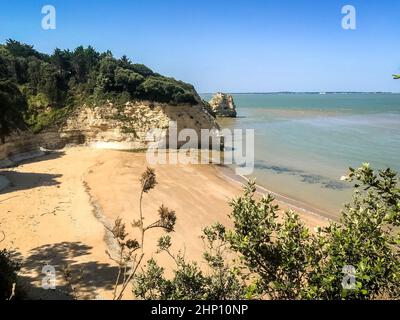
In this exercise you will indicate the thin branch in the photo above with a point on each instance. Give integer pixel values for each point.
(115, 260)
(142, 230)
(117, 280)
(158, 224)
(130, 277)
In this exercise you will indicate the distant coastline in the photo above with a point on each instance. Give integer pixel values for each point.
(309, 92)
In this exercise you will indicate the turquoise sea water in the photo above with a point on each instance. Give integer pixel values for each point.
(305, 142)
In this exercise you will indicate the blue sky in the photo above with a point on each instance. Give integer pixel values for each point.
(232, 46)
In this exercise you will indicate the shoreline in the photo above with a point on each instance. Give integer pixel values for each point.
(296, 205)
(72, 195)
(224, 170)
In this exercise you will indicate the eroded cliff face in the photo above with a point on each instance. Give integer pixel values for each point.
(127, 127)
(223, 105)
(110, 126)
(24, 145)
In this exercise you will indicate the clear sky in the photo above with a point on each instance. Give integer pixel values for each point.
(232, 46)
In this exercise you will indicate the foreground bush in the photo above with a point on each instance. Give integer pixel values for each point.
(189, 282)
(358, 258)
(8, 275)
(355, 259)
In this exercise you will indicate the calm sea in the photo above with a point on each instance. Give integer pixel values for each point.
(306, 142)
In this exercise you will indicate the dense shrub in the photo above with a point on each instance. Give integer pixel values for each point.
(189, 281)
(127, 80)
(293, 263)
(165, 90)
(8, 275)
(12, 106)
(141, 69)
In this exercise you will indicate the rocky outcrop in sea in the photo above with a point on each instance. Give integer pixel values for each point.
(223, 105)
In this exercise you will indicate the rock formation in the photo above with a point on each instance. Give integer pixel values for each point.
(127, 127)
(109, 126)
(223, 105)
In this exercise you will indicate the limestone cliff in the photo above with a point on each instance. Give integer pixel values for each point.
(126, 127)
(109, 126)
(223, 105)
(24, 145)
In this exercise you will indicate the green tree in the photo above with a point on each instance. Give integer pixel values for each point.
(83, 60)
(3, 68)
(8, 272)
(277, 252)
(8, 275)
(106, 77)
(12, 106)
(127, 80)
(23, 50)
(53, 85)
(189, 282)
(290, 262)
(142, 69)
(166, 90)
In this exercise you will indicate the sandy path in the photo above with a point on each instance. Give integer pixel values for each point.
(48, 216)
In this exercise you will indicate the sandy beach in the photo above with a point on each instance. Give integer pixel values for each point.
(55, 209)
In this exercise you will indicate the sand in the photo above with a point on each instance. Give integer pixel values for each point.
(54, 212)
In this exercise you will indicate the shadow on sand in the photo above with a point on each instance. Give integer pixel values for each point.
(28, 180)
(87, 277)
(49, 155)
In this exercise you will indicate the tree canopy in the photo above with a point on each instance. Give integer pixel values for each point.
(12, 106)
(37, 87)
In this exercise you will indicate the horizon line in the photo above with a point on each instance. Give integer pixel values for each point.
(305, 92)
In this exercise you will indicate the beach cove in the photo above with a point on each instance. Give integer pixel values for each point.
(57, 207)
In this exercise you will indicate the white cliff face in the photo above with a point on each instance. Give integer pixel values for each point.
(127, 127)
(23, 145)
(110, 126)
(223, 105)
